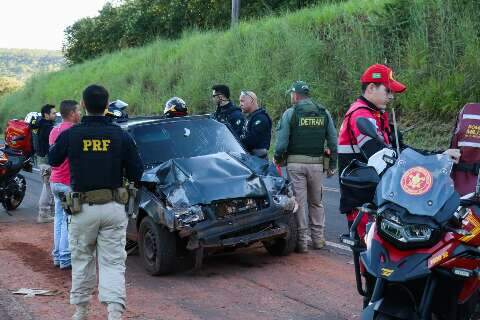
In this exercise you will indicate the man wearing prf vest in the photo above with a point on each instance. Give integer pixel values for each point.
(301, 136)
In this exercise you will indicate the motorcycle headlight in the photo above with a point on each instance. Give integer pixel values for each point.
(190, 215)
(391, 226)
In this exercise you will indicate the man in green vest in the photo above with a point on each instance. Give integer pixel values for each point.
(301, 136)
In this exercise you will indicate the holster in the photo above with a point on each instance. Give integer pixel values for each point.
(132, 196)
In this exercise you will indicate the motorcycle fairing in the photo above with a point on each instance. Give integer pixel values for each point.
(431, 196)
(379, 264)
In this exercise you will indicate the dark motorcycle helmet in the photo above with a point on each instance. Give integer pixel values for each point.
(359, 175)
(117, 111)
(175, 107)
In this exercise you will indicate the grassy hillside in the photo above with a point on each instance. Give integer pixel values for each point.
(432, 44)
(23, 63)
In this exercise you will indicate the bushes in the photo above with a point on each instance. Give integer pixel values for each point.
(433, 45)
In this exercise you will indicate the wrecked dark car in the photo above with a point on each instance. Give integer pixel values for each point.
(202, 193)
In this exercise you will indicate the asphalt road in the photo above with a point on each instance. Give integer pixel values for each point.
(245, 284)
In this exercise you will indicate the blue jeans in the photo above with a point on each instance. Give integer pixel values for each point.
(61, 251)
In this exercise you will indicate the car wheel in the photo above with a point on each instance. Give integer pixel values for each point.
(284, 246)
(16, 192)
(157, 246)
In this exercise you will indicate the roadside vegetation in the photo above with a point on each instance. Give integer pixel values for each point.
(433, 45)
(22, 63)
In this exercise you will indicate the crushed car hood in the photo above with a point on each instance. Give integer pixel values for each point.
(204, 179)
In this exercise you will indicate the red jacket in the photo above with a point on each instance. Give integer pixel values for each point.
(354, 145)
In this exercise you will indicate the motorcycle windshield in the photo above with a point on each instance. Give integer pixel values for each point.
(421, 184)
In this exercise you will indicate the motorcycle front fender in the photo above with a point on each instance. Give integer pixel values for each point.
(369, 312)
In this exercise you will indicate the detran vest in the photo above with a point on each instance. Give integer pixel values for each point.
(308, 129)
(466, 137)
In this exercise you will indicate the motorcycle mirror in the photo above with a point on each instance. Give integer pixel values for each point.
(366, 127)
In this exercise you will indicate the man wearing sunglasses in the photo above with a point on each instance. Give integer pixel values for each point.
(227, 112)
(301, 136)
(257, 128)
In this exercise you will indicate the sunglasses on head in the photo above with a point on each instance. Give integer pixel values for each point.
(245, 93)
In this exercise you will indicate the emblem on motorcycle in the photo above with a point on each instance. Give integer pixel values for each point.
(416, 181)
(387, 272)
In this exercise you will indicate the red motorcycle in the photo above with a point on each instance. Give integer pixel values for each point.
(420, 259)
(14, 157)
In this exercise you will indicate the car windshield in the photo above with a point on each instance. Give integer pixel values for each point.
(185, 138)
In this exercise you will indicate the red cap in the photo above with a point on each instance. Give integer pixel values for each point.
(379, 73)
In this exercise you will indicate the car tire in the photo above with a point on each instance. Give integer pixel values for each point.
(158, 247)
(284, 246)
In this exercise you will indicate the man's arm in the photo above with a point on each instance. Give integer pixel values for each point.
(132, 162)
(59, 150)
(283, 134)
(236, 121)
(332, 141)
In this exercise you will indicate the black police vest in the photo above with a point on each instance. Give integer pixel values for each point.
(263, 141)
(95, 153)
(307, 130)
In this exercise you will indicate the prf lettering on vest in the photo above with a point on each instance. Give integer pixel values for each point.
(96, 145)
(312, 122)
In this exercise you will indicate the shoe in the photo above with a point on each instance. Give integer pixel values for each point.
(301, 247)
(81, 312)
(65, 267)
(56, 264)
(318, 244)
(44, 218)
(115, 311)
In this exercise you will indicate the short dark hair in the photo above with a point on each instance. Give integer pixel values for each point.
(46, 109)
(95, 98)
(223, 89)
(67, 107)
(366, 84)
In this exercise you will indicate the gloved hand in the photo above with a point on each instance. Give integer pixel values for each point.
(454, 154)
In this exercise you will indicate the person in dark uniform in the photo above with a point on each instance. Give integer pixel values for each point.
(257, 128)
(227, 112)
(101, 155)
(44, 126)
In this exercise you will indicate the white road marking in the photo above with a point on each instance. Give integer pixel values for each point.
(337, 245)
(331, 189)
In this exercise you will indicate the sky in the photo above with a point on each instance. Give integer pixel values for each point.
(39, 24)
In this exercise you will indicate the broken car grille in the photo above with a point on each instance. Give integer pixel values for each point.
(234, 207)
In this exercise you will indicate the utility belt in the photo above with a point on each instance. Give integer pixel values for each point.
(72, 201)
(467, 167)
(300, 158)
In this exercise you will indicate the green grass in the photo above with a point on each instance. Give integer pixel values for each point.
(432, 44)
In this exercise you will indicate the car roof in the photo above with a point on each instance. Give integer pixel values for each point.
(143, 120)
